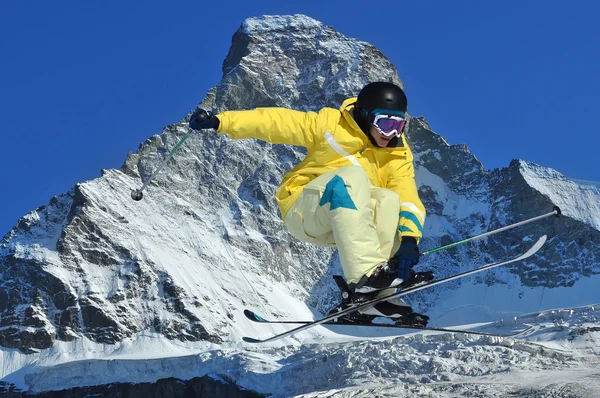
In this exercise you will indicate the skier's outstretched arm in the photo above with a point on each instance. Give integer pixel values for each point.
(275, 125)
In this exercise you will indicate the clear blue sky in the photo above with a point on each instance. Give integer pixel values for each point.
(83, 83)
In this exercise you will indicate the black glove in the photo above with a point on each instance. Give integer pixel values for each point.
(202, 119)
(407, 257)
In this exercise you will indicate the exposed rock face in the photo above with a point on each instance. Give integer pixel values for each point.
(474, 200)
(207, 234)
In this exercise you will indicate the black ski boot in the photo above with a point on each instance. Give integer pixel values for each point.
(395, 309)
(354, 317)
(398, 311)
(385, 276)
(349, 298)
(418, 278)
(413, 319)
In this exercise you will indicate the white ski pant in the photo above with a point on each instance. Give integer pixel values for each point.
(342, 208)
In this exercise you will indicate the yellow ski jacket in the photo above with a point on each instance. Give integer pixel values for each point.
(333, 140)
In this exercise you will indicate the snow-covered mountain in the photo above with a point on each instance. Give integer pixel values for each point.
(158, 286)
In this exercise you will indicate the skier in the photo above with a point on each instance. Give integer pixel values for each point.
(355, 189)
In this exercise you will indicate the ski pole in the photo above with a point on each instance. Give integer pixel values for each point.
(556, 212)
(136, 194)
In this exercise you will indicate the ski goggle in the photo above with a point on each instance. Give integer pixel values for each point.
(389, 122)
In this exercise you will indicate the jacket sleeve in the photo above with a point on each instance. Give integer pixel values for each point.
(401, 180)
(275, 125)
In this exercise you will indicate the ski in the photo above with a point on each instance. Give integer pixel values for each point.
(253, 316)
(534, 249)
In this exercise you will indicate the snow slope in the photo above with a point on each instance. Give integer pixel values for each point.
(343, 361)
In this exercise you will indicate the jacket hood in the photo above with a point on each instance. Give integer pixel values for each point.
(347, 110)
(348, 104)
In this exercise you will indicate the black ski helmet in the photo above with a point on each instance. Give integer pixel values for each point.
(378, 95)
